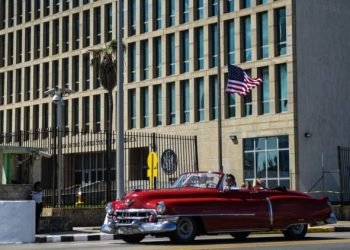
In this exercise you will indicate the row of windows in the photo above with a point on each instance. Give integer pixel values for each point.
(55, 37)
(15, 12)
(140, 12)
(30, 83)
(184, 102)
(79, 114)
(183, 55)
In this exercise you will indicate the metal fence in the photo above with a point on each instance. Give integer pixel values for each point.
(85, 160)
(344, 174)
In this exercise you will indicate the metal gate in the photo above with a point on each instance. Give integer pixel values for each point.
(344, 174)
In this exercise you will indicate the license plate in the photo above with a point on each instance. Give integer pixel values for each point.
(124, 230)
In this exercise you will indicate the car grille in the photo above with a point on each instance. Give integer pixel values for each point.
(130, 216)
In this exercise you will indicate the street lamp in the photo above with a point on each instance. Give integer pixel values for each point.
(57, 95)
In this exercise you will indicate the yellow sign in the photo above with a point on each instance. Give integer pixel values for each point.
(152, 163)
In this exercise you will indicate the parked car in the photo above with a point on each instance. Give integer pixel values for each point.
(191, 208)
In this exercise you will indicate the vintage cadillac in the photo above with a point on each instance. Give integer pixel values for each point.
(197, 206)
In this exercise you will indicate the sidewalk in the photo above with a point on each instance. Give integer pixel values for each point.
(93, 233)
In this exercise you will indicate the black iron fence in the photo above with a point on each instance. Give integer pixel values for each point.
(85, 162)
(344, 174)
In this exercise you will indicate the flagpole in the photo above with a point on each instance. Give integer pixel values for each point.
(221, 168)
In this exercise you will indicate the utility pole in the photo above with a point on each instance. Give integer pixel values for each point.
(221, 168)
(120, 104)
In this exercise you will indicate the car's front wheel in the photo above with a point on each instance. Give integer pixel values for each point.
(295, 232)
(132, 239)
(186, 230)
(240, 235)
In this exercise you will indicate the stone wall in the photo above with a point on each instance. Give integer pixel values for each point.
(15, 191)
(80, 217)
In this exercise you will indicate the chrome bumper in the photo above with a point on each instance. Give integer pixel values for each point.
(138, 228)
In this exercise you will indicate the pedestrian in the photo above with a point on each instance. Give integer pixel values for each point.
(37, 196)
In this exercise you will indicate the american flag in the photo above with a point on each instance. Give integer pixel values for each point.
(239, 82)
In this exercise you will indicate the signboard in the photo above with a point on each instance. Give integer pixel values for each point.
(152, 163)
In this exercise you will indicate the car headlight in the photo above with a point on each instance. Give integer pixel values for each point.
(160, 207)
(109, 208)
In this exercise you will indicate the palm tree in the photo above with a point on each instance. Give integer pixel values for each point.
(105, 60)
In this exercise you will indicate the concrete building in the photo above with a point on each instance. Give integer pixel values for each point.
(285, 132)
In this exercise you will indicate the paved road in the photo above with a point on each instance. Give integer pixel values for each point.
(337, 240)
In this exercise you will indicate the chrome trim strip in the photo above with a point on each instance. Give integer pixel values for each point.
(270, 211)
(207, 215)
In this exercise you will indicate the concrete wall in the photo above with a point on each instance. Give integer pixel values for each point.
(323, 106)
(18, 221)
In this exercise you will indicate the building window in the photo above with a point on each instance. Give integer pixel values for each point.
(258, 2)
(230, 6)
(65, 73)
(246, 39)
(56, 6)
(247, 102)
(267, 158)
(213, 7)
(245, 4)
(185, 10)
(28, 10)
(2, 126)
(158, 57)
(282, 87)
(9, 87)
(28, 44)
(231, 105)
(132, 108)
(46, 37)
(231, 46)
(18, 85)
(264, 91)
(144, 15)
(171, 13)
(18, 120)
(171, 54)
(157, 14)
(214, 48)
(19, 10)
(108, 22)
(55, 71)
(76, 31)
(199, 49)
(75, 115)
(97, 25)
(86, 71)
(199, 9)
(132, 17)
(2, 90)
(45, 82)
(213, 85)
(185, 101)
(46, 7)
(86, 114)
(55, 37)
(11, 15)
(97, 113)
(200, 102)
(9, 124)
(36, 82)
(86, 28)
(2, 51)
(132, 62)
(144, 107)
(35, 120)
(144, 59)
(157, 104)
(185, 51)
(37, 41)
(27, 82)
(75, 73)
(2, 15)
(263, 35)
(66, 4)
(65, 34)
(75, 3)
(9, 50)
(281, 32)
(171, 100)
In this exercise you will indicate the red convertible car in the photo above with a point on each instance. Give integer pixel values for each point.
(198, 206)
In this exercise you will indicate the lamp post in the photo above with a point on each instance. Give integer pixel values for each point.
(57, 98)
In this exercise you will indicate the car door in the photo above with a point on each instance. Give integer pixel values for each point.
(242, 210)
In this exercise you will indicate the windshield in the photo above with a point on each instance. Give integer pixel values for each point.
(200, 180)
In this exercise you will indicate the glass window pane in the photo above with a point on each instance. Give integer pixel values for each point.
(261, 165)
(284, 163)
(248, 144)
(248, 166)
(271, 142)
(283, 142)
(272, 164)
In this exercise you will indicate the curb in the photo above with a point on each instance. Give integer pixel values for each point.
(75, 237)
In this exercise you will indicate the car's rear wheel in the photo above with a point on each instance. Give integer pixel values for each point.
(295, 232)
(132, 239)
(186, 230)
(240, 235)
